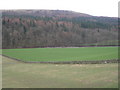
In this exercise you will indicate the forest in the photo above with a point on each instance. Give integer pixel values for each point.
(56, 28)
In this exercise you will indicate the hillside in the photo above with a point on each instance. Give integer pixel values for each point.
(56, 28)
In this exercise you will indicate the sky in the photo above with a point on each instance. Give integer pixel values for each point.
(93, 7)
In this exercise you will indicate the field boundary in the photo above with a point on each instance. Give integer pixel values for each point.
(68, 62)
(65, 46)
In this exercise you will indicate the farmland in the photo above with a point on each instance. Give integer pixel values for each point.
(17, 74)
(24, 75)
(63, 54)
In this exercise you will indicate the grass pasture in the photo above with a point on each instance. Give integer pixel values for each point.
(24, 75)
(63, 54)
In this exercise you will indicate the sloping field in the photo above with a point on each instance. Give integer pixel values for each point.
(63, 54)
(24, 75)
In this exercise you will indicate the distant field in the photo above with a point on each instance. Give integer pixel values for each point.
(24, 75)
(63, 54)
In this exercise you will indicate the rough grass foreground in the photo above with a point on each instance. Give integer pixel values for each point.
(24, 75)
(63, 54)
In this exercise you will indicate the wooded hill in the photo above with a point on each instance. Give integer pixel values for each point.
(56, 28)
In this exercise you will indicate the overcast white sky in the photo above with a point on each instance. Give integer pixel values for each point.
(92, 7)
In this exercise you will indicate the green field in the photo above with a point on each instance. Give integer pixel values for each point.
(63, 54)
(24, 75)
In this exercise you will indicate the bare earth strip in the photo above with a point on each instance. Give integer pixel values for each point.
(23, 75)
